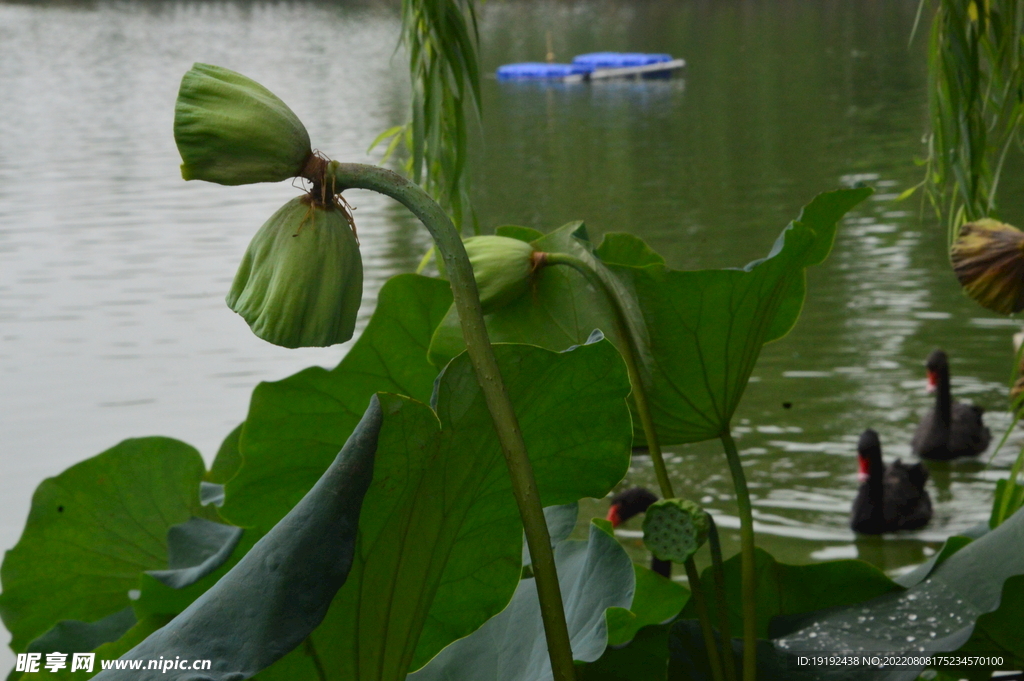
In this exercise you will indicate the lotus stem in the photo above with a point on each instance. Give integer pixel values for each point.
(701, 606)
(341, 176)
(629, 355)
(747, 573)
(728, 663)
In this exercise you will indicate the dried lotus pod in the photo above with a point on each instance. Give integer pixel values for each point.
(502, 267)
(988, 259)
(301, 280)
(231, 130)
(674, 529)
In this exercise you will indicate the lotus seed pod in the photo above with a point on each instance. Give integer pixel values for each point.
(301, 280)
(502, 267)
(988, 259)
(674, 529)
(232, 130)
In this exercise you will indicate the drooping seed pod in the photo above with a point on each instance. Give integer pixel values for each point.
(231, 130)
(301, 280)
(988, 259)
(502, 267)
(674, 529)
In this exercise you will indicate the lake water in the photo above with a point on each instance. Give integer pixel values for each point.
(113, 270)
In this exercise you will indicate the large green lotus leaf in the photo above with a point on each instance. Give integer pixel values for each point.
(656, 600)
(295, 426)
(977, 584)
(594, 575)
(228, 459)
(439, 549)
(701, 332)
(280, 591)
(978, 588)
(560, 310)
(93, 530)
(645, 658)
(1002, 630)
(786, 590)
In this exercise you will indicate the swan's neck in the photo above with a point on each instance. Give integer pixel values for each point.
(943, 397)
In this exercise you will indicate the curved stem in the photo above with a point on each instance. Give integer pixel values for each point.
(701, 606)
(728, 663)
(341, 176)
(747, 573)
(629, 355)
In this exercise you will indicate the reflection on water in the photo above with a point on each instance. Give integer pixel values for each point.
(113, 271)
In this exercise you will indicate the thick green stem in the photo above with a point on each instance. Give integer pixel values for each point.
(701, 605)
(629, 355)
(748, 578)
(341, 176)
(722, 610)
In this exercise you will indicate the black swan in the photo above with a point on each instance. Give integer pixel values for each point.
(951, 429)
(629, 503)
(890, 497)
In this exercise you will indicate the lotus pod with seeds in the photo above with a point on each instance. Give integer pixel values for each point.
(674, 529)
(301, 280)
(502, 267)
(988, 259)
(231, 130)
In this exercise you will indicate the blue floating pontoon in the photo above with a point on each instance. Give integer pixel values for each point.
(593, 66)
(539, 71)
(618, 60)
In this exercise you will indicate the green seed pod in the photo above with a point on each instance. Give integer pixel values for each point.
(674, 529)
(502, 268)
(988, 259)
(232, 130)
(301, 280)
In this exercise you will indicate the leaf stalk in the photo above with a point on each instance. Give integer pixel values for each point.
(701, 606)
(449, 245)
(748, 578)
(718, 570)
(629, 354)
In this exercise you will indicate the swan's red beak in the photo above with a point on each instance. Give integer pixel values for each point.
(933, 381)
(864, 471)
(613, 515)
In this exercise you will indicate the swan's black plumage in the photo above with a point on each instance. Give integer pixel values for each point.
(951, 429)
(890, 497)
(629, 503)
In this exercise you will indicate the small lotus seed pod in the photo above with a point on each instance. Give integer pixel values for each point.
(988, 259)
(502, 267)
(301, 280)
(232, 130)
(674, 529)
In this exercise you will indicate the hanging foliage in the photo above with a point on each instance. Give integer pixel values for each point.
(976, 101)
(441, 39)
